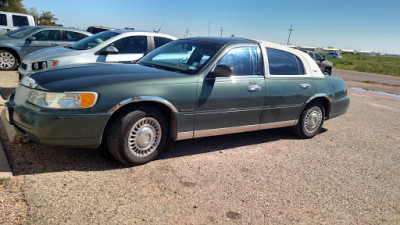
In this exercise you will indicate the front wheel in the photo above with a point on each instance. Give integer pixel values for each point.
(311, 120)
(8, 61)
(138, 136)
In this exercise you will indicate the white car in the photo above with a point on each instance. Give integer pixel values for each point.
(108, 46)
(10, 21)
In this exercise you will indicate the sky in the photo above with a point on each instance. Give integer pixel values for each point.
(368, 25)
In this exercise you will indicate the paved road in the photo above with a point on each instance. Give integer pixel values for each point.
(360, 76)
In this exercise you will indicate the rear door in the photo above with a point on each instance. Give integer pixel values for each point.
(288, 87)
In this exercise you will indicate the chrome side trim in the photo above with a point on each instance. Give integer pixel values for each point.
(288, 123)
(318, 96)
(184, 135)
(226, 130)
(144, 99)
(234, 130)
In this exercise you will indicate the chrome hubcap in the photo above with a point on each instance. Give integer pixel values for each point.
(313, 119)
(145, 136)
(7, 60)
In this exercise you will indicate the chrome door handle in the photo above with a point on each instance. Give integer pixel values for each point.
(254, 88)
(305, 86)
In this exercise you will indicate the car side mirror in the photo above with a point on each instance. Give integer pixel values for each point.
(221, 71)
(110, 50)
(31, 38)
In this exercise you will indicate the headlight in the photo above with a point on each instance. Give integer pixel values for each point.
(44, 64)
(66, 100)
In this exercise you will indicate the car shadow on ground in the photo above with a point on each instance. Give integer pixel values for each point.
(31, 158)
(5, 92)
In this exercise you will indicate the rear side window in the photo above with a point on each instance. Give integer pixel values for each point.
(3, 19)
(20, 21)
(158, 41)
(48, 35)
(283, 63)
(73, 36)
(133, 44)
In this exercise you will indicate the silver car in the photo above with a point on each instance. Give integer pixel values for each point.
(107, 46)
(15, 45)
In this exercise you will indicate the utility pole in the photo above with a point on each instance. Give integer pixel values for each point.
(209, 23)
(187, 32)
(290, 32)
(222, 29)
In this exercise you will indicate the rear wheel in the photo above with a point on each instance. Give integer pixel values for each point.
(8, 61)
(137, 137)
(311, 120)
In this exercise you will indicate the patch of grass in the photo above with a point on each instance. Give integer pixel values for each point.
(370, 64)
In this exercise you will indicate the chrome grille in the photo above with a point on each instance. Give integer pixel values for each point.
(21, 94)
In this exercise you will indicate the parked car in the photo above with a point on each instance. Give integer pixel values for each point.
(10, 21)
(98, 29)
(108, 46)
(333, 55)
(188, 88)
(325, 65)
(16, 45)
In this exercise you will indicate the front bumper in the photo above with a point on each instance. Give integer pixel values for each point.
(74, 128)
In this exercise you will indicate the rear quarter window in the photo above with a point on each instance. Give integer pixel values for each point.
(20, 21)
(3, 19)
(284, 63)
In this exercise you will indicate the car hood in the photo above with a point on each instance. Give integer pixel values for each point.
(84, 77)
(51, 53)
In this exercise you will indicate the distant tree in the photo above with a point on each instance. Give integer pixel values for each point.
(33, 12)
(47, 19)
(12, 6)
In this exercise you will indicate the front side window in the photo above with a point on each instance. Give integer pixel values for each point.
(311, 54)
(48, 35)
(3, 19)
(317, 56)
(133, 44)
(283, 63)
(73, 36)
(159, 41)
(183, 56)
(242, 60)
(20, 21)
(94, 40)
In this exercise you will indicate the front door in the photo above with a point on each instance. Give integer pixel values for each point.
(129, 49)
(43, 39)
(232, 103)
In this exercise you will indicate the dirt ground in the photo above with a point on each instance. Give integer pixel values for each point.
(349, 173)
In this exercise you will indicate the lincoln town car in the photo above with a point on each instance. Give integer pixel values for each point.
(188, 88)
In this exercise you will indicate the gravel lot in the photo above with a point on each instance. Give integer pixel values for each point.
(349, 173)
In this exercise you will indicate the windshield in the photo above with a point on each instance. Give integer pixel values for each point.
(184, 56)
(23, 32)
(93, 41)
(15, 31)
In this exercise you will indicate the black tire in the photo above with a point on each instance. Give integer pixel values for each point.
(8, 60)
(327, 72)
(137, 137)
(311, 120)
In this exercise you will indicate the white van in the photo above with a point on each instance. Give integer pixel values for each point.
(11, 21)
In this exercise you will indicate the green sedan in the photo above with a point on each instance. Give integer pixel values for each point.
(188, 88)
